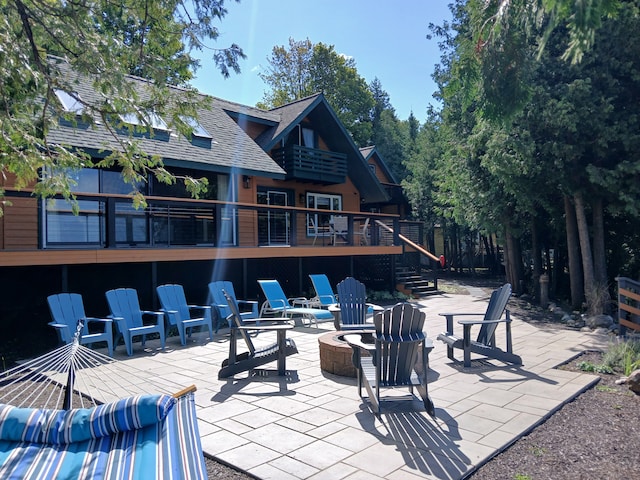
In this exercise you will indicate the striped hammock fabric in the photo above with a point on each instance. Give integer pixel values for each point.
(145, 436)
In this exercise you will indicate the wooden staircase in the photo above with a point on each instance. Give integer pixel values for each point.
(415, 284)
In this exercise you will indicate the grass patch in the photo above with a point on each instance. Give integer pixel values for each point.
(623, 357)
(593, 367)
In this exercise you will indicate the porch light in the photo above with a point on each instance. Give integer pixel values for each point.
(246, 181)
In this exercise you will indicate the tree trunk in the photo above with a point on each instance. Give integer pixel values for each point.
(513, 261)
(599, 254)
(536, 254)
(573, 254)
(591, 290)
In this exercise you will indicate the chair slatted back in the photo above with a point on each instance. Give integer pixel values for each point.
(237, 321)
(123, 303)
(172, 298)
(352, 297)
(216, 290)
(68, 309)
(399, 335)
(495, 309)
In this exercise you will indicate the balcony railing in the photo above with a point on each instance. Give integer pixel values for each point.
(311, 164)
(110, 221)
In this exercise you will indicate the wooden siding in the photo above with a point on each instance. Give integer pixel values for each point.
(107, 256)
(19, 224)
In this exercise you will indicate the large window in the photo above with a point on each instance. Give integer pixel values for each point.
(160, 224)
(322, 201)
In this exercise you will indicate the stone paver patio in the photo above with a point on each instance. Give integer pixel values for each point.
(312, 425)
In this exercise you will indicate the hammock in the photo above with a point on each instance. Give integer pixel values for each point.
(75, 413)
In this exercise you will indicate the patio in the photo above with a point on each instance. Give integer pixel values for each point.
(312, 425)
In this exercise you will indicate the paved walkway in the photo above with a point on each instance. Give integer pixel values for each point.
(312, 425)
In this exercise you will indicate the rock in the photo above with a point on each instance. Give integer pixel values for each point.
(601, 331)
(633, 381)
(585, 329)
(599, 321)
(621, 381)
(566, 318)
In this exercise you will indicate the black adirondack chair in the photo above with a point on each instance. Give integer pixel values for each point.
(255, 357)
(485, 344)
(396, 356)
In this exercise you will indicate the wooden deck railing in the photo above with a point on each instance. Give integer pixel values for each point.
(628, 304)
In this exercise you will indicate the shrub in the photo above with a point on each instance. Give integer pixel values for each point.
(623, 357)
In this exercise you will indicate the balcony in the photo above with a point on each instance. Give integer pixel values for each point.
(312, 165)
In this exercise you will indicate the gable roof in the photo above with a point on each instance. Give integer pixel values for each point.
(231, 148)
(326, 123)
(369, 152)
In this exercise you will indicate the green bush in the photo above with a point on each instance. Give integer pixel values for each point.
(623, 357)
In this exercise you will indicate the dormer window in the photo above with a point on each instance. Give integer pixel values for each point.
(200, 137)
(148, 119)
(70, 101)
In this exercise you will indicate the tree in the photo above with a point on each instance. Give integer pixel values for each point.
(103, 42)
(304, 69)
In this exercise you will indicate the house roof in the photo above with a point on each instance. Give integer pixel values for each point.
(325, 122)
(369, 152)
(231, 148)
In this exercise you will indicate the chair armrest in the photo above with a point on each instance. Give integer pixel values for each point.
(203, 307)
(459, 314)
(274, 328)
(158, 315)
(94, 319)
(58, 325)
(304, 301)
(266, 320)
(482, 322)
(355, 340)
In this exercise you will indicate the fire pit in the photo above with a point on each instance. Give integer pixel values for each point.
(335, 353)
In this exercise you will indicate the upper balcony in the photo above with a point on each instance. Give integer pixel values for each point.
(312, 164)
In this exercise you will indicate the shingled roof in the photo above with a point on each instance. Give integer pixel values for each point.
(231, 148)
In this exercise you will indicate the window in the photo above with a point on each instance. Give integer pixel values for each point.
(322, 201)
(198, 130)
(69, 101)
(200, 137)
(308, 138)
(372, 167)
(148, 119)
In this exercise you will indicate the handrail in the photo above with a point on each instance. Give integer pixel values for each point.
(420, 248)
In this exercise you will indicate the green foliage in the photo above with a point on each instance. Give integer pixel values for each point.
(304, 69)
(384, 296)
(592, 367)
(623, 356)
(521, 476)
(103, 43)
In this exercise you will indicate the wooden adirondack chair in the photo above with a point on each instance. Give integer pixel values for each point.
(255, 357)
(219, 302)
(352, 295)
(126, 312)
(67, 309)
(485, 344)
(178, 312)
(397, 357)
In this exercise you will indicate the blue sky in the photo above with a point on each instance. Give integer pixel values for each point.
(386, 39)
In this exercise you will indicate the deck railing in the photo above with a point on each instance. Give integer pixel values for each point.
(110, 221)
(628, 305)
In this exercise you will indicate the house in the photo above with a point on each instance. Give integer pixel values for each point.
(277, 179)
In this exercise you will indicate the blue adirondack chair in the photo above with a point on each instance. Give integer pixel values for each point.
(178, 312)
(67, 309)
(277, 303)
(221, 306)
(324, 293)
(397, 355)
(352, 310)
(125, 311)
